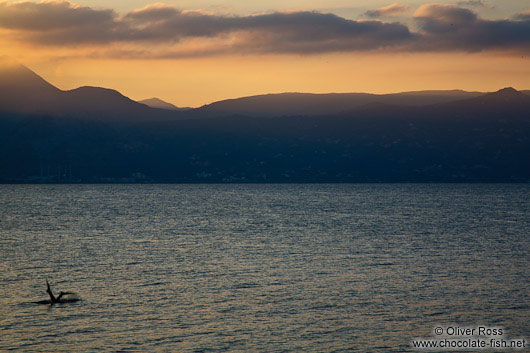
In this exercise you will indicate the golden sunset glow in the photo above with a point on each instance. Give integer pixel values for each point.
(191, 56)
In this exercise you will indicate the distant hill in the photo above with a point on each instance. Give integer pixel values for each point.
(504, 99)
(480, 139)
(23, 91)
(290, 104)
(160, 104)
(93, 134)
(101, 100)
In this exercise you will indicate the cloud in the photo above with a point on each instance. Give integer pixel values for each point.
(52, 15)
(444, 14)
(388, 11)
(163, 31)
(290, 32)
(473, 3)
(448, 27)
(277, 32)
(57, 21)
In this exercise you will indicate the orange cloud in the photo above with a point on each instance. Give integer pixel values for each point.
(389, 11)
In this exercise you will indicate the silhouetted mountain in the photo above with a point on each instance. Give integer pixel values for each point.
(90, 100)
(506, 103)
(93, 134)
(483, 139)
(504, 97)
(289, 104)
(160, 104)
(23, 91)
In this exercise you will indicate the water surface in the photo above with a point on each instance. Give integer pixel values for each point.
(315, 268)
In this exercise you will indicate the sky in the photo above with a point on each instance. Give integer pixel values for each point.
(193, 52)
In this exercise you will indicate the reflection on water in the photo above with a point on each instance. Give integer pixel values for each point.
(260, 267)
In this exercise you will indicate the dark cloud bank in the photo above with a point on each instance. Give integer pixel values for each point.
(441, 28)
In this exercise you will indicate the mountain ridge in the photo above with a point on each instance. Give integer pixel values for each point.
(24, 91)
(296, 103)
(83, 138)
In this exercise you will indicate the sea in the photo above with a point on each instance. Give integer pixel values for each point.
(260, 268)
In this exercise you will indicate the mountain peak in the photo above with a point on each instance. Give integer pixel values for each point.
(15, 76)
(508, 91)
(158, 103)
(506, 99)
(507, 94)
(23, 91)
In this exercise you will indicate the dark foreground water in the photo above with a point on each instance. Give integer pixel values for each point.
(270, 268)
